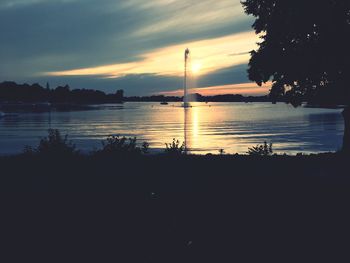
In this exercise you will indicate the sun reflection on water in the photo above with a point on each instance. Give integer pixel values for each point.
(191, 128)
(194, 137)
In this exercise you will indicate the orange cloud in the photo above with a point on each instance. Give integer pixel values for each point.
(210, 54)
(242, 88)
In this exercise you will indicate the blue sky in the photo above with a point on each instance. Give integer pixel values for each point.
(135, 45)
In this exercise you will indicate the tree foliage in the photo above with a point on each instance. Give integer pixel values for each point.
(304, 48)
(261, 150)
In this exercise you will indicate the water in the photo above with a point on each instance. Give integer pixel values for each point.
(208, 128)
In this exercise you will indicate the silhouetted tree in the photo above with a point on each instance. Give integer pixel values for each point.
(10, 91)
(120, 94)
(304, 51)
(61, 94)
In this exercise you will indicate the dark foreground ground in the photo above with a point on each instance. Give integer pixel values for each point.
(171, 209)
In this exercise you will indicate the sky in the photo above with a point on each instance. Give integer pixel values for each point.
(134, 45)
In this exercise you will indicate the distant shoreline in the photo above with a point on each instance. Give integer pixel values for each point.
(23, 97)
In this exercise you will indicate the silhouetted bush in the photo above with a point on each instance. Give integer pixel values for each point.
(175, 148)
(261, 150)
(53, 144)
(114, 145)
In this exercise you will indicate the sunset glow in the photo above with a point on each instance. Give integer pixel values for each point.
(243, 88)
(214, 54)
(196, 68)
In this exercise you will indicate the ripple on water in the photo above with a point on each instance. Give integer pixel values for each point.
(230, 126)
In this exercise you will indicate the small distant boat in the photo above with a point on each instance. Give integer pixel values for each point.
(164, 103)
(2, 114)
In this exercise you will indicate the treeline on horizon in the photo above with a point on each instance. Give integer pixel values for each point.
(11, 92)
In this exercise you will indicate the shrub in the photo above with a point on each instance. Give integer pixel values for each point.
(53, 144)
(116, 145)
(175, 148)
(261, 150)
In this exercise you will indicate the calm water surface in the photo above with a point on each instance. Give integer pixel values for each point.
(207, 127)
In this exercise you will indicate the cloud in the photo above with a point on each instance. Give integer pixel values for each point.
(246, 89)
(190, 15)
(210, 54)
(63, 35)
